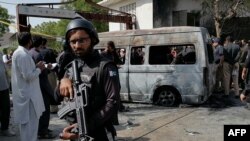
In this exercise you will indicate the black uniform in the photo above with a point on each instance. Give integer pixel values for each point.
(102, 77)
(247, 81)
(63, 60)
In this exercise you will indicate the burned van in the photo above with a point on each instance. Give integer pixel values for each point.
(164, 66)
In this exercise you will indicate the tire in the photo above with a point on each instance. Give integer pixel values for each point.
(166, 97)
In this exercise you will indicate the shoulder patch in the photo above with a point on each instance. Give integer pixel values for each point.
(112, 73)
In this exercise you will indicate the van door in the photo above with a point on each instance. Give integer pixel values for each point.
(211, 68)
(137, 73)
(123, 72)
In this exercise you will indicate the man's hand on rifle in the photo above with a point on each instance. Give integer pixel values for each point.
(66, 88)
(67, 134)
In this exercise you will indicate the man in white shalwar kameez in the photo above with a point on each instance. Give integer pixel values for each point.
(27, 97)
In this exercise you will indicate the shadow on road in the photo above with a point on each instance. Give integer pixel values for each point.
(218, 101)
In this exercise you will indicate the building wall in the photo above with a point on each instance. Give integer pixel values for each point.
(163, 10)
(144, 15)
(154, 13)
(163, 13)
(188, 5)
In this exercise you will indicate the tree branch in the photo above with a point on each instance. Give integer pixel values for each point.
(232, 10)
(217, 15)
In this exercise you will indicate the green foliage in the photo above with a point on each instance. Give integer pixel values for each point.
(9, 49)
(13, 46)
(57, 46)
(101, 26)
(61, 27)
(51, 29)
(247, 3)
(46, 28)
(81, 5)
(5, 50)
(4, 16)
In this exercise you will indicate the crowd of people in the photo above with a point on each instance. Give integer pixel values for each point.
(232, 62)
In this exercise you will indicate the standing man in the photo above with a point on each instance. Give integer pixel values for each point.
(111, 54)
(231, 63)
(4, 101)
(101, 76)
(27, 96)
(7, 57)
(219, 58)
(7, 61)
(49, 56)
(38, 54)
(122, 54)
(245, 75)
(242, 59)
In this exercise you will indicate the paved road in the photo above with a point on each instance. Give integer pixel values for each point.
(146, 122)
(55, 124)
(186, 123)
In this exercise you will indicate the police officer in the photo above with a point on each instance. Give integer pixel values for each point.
(102, 76)
(219, 58)
(245, 75)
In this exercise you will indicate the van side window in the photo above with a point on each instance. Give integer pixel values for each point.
(210, 53)
(137, 56)
(172, 54)
(122, 55)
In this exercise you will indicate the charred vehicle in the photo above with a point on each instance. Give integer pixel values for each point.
(164, 66)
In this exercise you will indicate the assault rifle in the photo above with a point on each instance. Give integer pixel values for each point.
(78, 104)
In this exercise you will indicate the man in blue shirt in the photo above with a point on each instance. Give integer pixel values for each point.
(219, 58)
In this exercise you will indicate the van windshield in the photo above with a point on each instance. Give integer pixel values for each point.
(172, 54)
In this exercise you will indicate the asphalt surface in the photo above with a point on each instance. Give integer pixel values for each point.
(146, 122)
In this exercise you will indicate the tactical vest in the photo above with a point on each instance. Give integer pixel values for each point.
(91, 74)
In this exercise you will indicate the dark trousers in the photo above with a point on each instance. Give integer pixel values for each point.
(99, 134)
(247, 87)
(4, 109)
(241, 81)
(44, 119)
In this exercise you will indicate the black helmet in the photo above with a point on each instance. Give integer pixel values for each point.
(81, 23)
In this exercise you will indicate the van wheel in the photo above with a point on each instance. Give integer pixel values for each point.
(166, 97)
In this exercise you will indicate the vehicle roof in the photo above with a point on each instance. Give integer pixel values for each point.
(176, 29)
(137, 38)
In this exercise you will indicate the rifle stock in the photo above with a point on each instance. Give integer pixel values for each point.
(66, 109)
